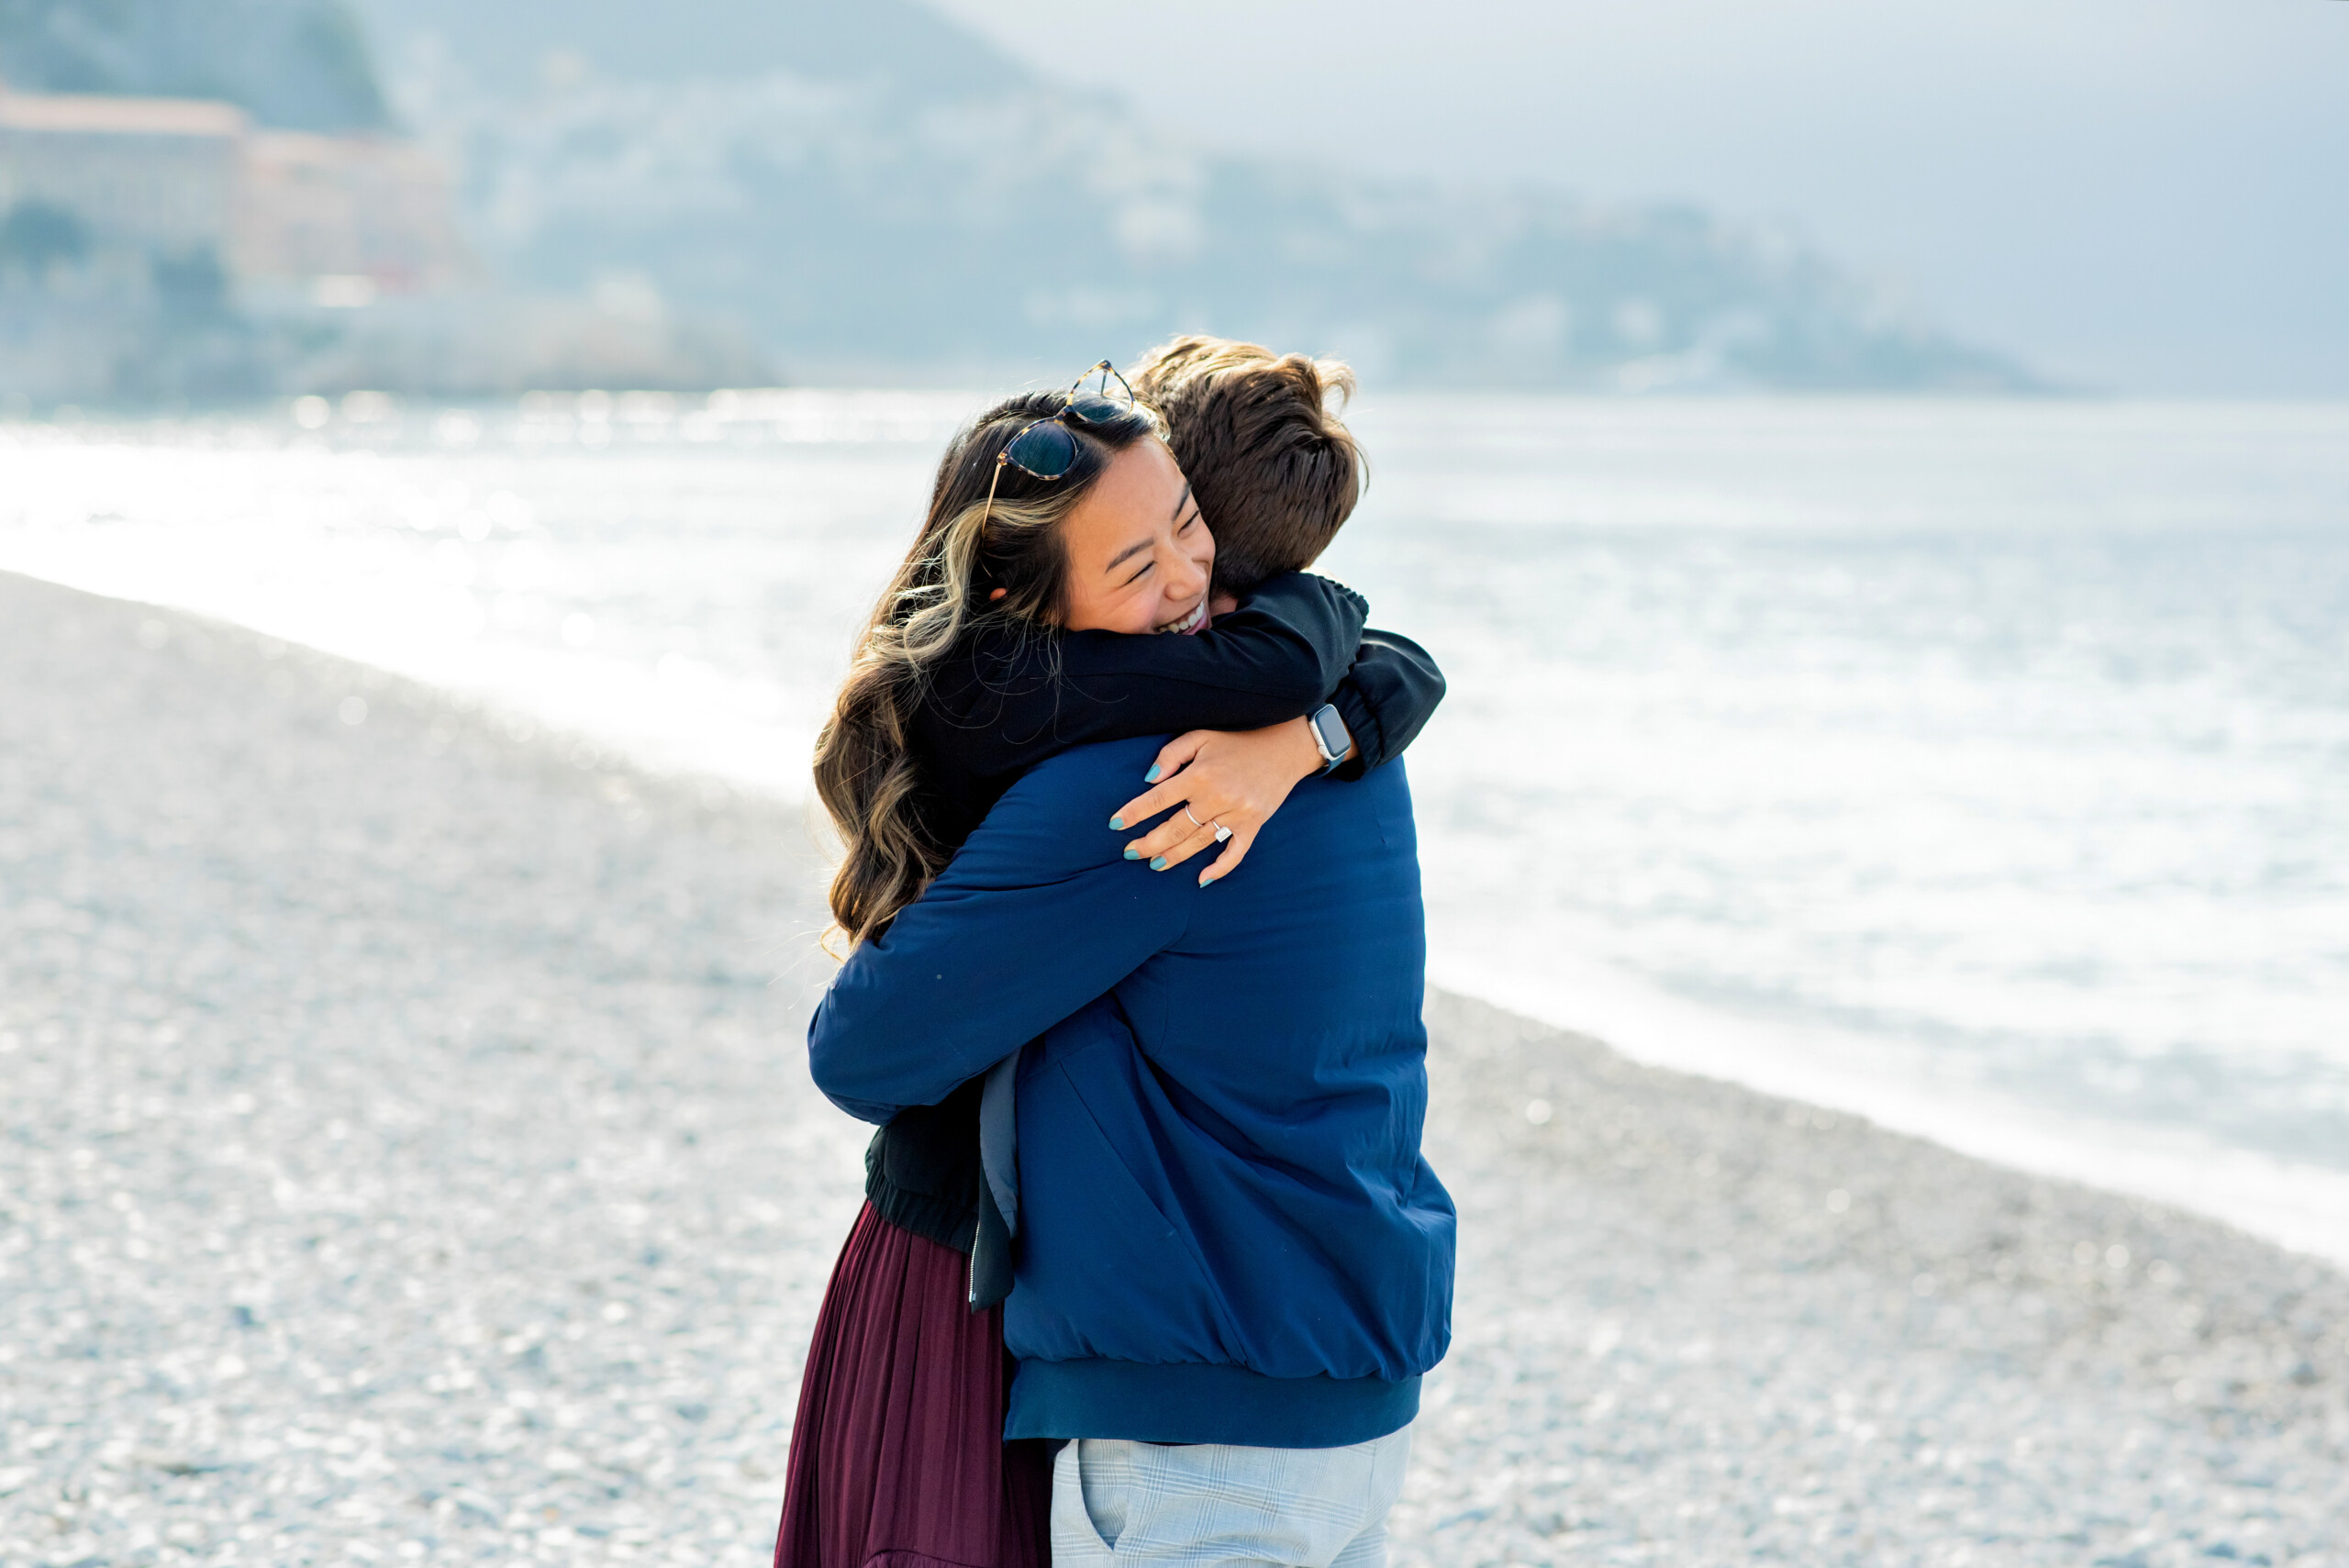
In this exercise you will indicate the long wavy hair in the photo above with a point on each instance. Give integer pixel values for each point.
(944, 592)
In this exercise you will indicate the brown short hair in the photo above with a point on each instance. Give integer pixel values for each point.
(1276, 470)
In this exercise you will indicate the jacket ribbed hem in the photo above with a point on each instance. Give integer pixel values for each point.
(1202, 1404)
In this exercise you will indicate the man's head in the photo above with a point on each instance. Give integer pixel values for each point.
(1276, 470)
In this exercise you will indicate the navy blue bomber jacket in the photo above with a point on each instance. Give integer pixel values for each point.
(1007, 697)
(1228, 1233)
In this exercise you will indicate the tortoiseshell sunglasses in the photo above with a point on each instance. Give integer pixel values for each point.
(1047, 448)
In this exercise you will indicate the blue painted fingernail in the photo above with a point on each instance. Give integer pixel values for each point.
(1158, 863)
(1152, 776)
(1133, 854)
(1116, 824)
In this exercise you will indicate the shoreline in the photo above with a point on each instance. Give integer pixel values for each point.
(408, 1143)
(2299, 1207)
(681, 602)
(628, 712)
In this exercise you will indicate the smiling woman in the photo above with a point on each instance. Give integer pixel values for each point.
(1140, 558)
(992, 552)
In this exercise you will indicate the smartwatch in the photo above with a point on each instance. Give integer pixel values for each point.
(1330, 737)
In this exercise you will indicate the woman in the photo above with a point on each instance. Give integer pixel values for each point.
(1006, 637)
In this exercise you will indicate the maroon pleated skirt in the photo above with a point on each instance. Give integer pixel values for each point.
(897, 1457)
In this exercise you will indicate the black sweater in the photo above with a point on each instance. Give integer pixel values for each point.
(1010, 697)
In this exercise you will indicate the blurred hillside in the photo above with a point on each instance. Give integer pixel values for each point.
(873, 191)
(715, 191)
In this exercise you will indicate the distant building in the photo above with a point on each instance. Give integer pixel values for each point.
(158, 174)
(350, 216)
(340, 218)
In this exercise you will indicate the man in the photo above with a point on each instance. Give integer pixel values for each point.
(1234, 1263)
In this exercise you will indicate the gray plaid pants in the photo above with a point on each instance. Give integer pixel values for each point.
(1117, 1504)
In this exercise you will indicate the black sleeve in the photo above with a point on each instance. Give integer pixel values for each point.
(1274, 657)
(1386, 698)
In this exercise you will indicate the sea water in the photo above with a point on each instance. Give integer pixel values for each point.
(1980, 767)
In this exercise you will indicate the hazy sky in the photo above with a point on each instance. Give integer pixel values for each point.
(2151, 194)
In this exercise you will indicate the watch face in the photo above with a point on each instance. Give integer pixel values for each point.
(1331, 731)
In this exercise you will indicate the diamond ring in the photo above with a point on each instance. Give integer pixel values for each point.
(1221, 832)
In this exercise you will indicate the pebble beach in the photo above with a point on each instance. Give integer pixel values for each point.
(407, 1155)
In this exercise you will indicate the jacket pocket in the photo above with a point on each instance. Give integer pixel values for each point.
(1104, 1271)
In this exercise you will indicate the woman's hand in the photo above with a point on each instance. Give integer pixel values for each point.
(1238, 778)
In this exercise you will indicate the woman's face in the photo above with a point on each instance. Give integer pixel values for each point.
(1139, 555)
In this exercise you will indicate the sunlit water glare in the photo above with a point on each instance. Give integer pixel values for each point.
(1985, 768)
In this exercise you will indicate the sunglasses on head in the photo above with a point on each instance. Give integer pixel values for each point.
(1047, 448)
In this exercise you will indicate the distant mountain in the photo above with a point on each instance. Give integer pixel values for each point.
(865, 190)
(871, 191)
(301, 64)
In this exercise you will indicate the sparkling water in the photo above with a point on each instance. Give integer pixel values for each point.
(1981, 767)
